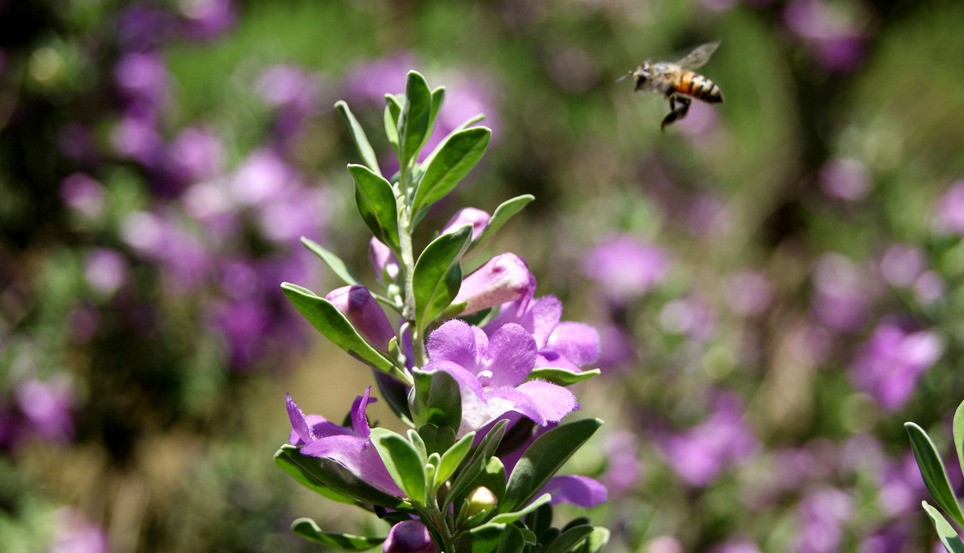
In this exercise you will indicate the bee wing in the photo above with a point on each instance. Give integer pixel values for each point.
(699, 56)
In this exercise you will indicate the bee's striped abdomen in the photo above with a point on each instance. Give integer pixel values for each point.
(696, 85)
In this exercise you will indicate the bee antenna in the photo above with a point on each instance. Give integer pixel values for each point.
(624, 77)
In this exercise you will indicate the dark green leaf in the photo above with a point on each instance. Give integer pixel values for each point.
(509, 518)
(333, 475)
(437, 439)
(437, 276)
(453, 457)
(365, 149)
(543, 458)
(512, 540)
(540, 520)
(959, 434)
(301, 471)
(335, 326)
(500, 217)
(334, 262)
(596, 541)
(392, 111)
(568, 539)
(413, 124)
(403, 462)
(438, 98)
(308, 529)
(416, 440)
(561, 377)
(437, 399)
(947, 534)
(376, 203)
(477, 461)
(483, 539)
(932, 470)
(493, 478)
(395, 393)
(455, 158)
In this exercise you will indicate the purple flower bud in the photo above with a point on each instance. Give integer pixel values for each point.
(845, 179)
(410, 536)
(468, 216)
(504, 278)
(83, 195)
(105, 270)
(357, 303)
(383, 260)
(950, 210)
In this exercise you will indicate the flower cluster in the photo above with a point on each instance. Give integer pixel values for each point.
(477, 366)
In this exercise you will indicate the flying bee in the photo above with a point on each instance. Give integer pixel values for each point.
(678, 82)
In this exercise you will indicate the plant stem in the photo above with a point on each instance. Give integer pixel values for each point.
(405, 230)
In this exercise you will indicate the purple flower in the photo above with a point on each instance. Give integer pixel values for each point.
(889, 539)
(690, 316)
(383, 261)
(736, 546)
(357, 303)
(409, 536)
(83, 195)
(160, 238)
(822, 514)
(750, 293)
(299, 213)
(891, 361)
(76, 534)
(350, 447)
(617, 348)
(843, 291)
(623, 467)
(845, 179)
(625, 268)
(142, 80)
(575, 490)
(105, 271)
(468, 216)
(832, 36)
(505, 278)
(194, 155)
(901, 265)
(949, 216)
(492, 371)
(206, 19)
(137, 138)
(901, 487)
(262, 178)
(47, 407)
(566, 345)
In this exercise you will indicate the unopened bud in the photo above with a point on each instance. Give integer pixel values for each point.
(469, 216)
(364, 313)
(481, 500)
(410, 536)
(503, 279)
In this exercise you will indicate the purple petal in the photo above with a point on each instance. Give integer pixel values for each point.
(505, 278)
(545, 314)
(358, 305)
(299, 425)
(467, 380)
(578, 342)
(553, 401)
(577, 490)
(383, 260)
(359, 423)
(468, 216)
(454, 341)
(502, 400)
(511, 355)
(359, 456)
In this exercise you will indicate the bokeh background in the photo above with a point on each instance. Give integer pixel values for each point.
(776, 279)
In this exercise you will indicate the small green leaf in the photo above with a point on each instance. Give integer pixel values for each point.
(403, 462)
(302, 472)
(437, 276)
(392, 110)
(437, 399)
(438, 98)
(513, 541)
(932, 470)
(308, 529)
(500, 217)
(416, 440)
(947, 534)
(483, 539)
(376, 203)
(959, 434)
(561, 377)
(365, 149)
(568, 539)
(325, 317)
(509, 518)
(438, 439)
(477, 461)
(415, 119)
(453, 457)
(337, 266)
(543, 458)
(456, 157)
(333, 475)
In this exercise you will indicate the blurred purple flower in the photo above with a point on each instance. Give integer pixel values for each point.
(504, 278)
(663, 544)
(821, 517)
(843, 291)
(690, 316)
(383, 261)
(708, 217)
(137, 138)
(617, 348)
(294, 94)
(699, 455)
(890, 362)
(142, 80)
(364, 313)
(105, 270)
(83, 194)
(195, 154)
(901, 487)
(409, 536)
(624, 469)
(77, 534)
(832, 36)
(159, 238)
(141, 27)
(845, 179)
(206, 19)
(902, 264)
(750, 293)
(625, 268)
(929, 287)
(350, 447)
(736, 546)
(301, 212)
(492, 371)
(949, 211)
(468, 216)
(262, 178)
(370, 81)
(576, 490)
(244, 326)
(47, 408)
(889, 539)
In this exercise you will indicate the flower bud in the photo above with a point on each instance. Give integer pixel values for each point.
(383, 260)
(469, 216)
(356, 303)
(481, 500)
(503, 279)
(410, 536)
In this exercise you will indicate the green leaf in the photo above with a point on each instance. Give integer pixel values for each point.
(416, 440)
(561, 377)
(458, 155)
(932, 470)
(337, 266)
(437, 439)
(437, 399)
(308, 529)
(477, 461)
(437, 276)
(500, 217)
(483, 539)
(325, 317)
(304, 476)
(403, 462)
(365, 149)
(959, 434)
(392, 111)
(493, 478)
(513, 541)
(415, 119)
(568, 539)
(453, 457)
(333, 475)
(543, 458)
(376, 203)
(509, 518)
(438, 98)
(947, 534)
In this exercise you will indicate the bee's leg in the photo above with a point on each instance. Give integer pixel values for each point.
(678, 106)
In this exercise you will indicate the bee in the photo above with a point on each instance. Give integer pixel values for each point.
(678, 82)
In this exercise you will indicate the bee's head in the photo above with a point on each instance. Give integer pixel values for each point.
(643, 74)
